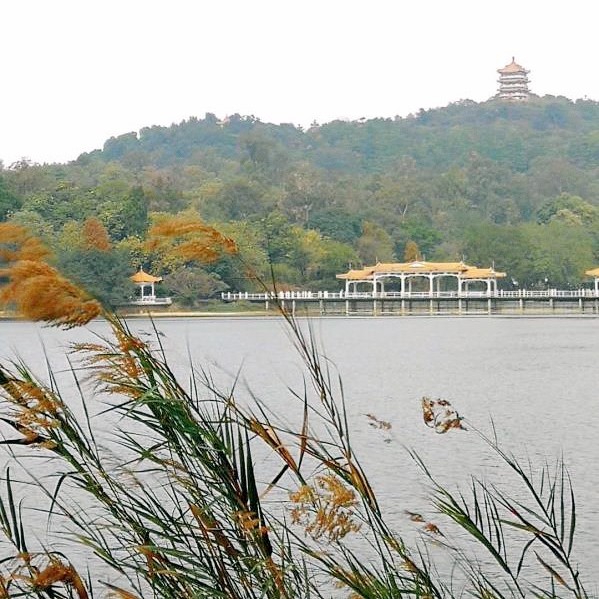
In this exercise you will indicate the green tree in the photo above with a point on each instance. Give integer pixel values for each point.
(104, 274)
(570, 209)
(237, 200)
(426, 237)
(375, 244)
(560, 255)
(508, 248)
(9, 203)
(336, 257)
(242, 270)
(189, 285)
(126, 214)
(337, 223)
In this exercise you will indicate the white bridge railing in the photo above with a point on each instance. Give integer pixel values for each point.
(150, 300)
(342, 295)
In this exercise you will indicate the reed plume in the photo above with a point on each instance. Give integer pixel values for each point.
(187, 238)
(36, 289)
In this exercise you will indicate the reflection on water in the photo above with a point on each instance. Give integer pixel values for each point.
(536, 379)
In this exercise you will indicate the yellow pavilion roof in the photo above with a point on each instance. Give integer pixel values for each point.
(141, 276)
(594, 272)
(421, 267)
(357, 274)
(513, 67)
(482, 273)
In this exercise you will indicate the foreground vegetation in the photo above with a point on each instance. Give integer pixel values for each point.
(182, 509)
(509, 184)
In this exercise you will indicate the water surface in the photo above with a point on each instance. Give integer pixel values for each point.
(535, 378)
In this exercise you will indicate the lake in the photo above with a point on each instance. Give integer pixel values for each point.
(536, 379)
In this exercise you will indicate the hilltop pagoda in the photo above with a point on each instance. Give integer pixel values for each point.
(513, 82)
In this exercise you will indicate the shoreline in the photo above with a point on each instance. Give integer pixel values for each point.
(6, 317)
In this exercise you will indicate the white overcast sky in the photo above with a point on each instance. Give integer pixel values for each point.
(75, 72)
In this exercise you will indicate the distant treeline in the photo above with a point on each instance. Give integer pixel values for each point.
(514, 185)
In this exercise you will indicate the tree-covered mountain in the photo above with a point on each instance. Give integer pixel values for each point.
(514, 184)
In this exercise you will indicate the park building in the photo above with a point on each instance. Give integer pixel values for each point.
(428, 278)
(513, 83)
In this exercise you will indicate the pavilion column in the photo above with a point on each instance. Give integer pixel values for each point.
(374, 285)
(488, 287)
(346, 286)
(152, 288)
(402, 280)
(459, 285)
(431, 282)
(438, 285)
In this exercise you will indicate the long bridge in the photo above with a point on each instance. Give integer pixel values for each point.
(520, 301)
(449, 288)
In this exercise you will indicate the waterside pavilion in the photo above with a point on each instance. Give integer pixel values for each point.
(594, 273)
(374, 278)
(147, 294)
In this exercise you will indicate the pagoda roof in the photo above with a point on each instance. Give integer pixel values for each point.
(513, 67)
(594, 272)
(141, 276)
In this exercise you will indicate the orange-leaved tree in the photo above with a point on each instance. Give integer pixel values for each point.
(95, 235)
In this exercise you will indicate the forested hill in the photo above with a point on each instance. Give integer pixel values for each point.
(511, 134)
(513, 184)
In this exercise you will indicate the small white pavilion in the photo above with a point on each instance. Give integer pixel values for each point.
(146, 283)
(594, 273)
(434, 272)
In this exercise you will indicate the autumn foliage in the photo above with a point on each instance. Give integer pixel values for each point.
(95, 236)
